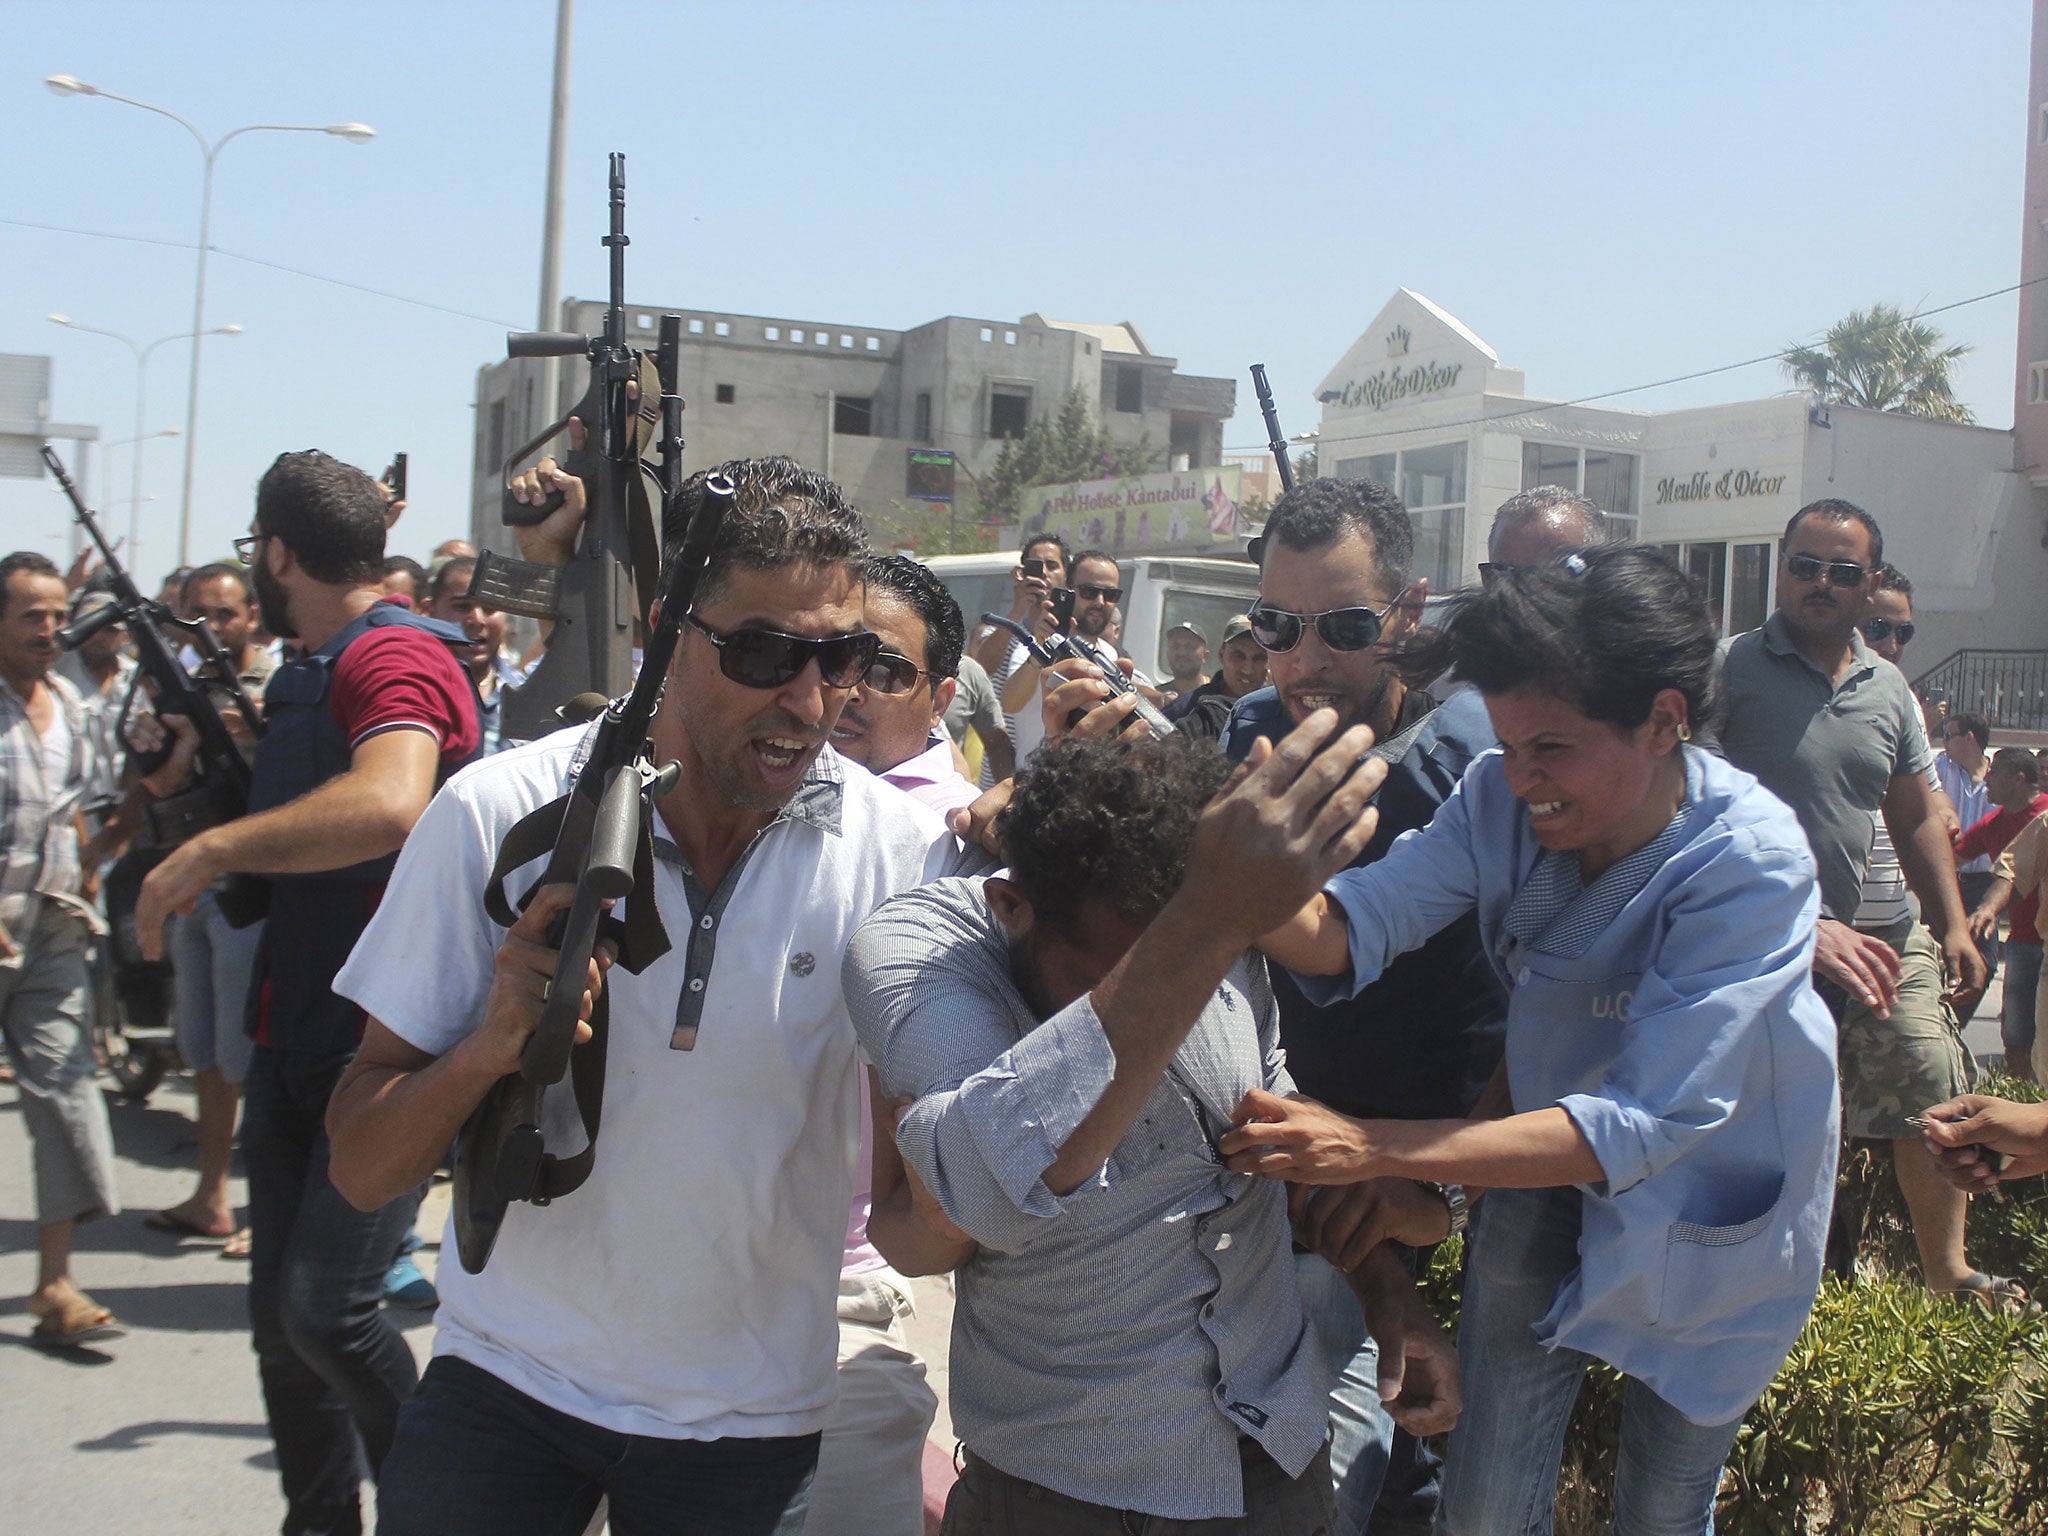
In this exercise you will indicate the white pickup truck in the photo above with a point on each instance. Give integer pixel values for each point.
(1160, 591)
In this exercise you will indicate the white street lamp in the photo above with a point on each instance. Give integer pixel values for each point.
(354, 133)
(140, 437)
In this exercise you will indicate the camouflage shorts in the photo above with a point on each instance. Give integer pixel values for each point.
(1895, 1067)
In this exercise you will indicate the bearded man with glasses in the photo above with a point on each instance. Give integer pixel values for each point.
(1336, 595)
(1830, 726)
(665, 1336)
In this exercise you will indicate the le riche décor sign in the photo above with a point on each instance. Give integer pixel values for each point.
(1730, 485)
(1396, 382)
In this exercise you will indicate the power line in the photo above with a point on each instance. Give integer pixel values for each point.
(275, 266)
(1633, 389)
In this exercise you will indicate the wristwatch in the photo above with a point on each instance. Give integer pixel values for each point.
(1454, 1199)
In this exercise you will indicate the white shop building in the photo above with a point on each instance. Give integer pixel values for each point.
(1422, 404)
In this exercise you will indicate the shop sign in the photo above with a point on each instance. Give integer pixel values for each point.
(1734, 485)
(1188, 510)
(1382, 389)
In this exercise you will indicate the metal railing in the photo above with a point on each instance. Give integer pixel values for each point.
(2008, 688)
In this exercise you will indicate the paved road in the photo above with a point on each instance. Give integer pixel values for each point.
(162, 1433)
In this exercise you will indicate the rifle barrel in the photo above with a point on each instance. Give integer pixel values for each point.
(1276, 440)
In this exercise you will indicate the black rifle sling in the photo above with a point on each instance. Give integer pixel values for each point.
(641, 940)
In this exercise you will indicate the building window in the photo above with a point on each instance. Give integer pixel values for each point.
(1009, 338)
(696, 327)
(988, 333)
(494, 443)
(1749, 592)
(846, 341)
(1431, 485)
(772, 332)
(644, 320)
(1009, 410)
(1130, 389)
(822, 339)
(722, 329)
(726, 394)
(874, 344)
(1605, 478)
(796, 336)
(2037, 383)
(1734, 580)
(853, 416)
(923, 417)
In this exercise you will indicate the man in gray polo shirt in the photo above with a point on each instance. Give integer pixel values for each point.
(1834, 731)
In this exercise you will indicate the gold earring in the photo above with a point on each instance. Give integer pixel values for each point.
(1684, 731)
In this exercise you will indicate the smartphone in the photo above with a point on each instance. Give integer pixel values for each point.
(1063, 608)
(394, 477)
(1033, 566)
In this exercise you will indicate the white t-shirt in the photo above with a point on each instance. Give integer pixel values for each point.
(688, 1289)
(1027, 725)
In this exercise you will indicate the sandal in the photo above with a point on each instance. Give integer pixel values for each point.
(237, 1245)
(81, 1320)
(1997, 1293)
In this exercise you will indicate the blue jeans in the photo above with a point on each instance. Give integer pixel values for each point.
(476, 1457)
(2016, 1022)
(1386, 1480)
(1500, 1475)
(334, 1370)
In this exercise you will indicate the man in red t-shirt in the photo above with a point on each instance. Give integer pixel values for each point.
(2015, 785)
(360, 729)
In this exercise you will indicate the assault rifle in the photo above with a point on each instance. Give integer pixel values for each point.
(222, 791)
(1276, 440)
(618, 554)
(597, 837)
(1064, 647)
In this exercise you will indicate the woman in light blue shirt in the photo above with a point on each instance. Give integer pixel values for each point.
(1659, 1199)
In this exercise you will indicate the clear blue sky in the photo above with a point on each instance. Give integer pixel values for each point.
(1609, 194)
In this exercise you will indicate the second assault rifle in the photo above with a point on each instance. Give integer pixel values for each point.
(1065, 647)
(221, 792)
(598, 838)
(618, 554)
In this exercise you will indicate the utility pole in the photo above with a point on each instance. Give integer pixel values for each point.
(551, 229)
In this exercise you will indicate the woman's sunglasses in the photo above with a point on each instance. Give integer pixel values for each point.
(767, 658)
(1341, 629)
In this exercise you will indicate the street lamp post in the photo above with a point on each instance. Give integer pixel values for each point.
(355, 133)
(141, 383)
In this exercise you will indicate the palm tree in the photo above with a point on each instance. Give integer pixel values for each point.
(1883, 360)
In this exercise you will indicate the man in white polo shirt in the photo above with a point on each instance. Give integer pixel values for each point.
(665, 1335)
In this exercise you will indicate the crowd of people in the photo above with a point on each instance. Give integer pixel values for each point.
(1547, 917)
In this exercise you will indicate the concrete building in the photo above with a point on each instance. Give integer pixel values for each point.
(1421, 403)
(852, 401)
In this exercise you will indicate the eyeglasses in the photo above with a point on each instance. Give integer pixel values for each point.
(1840, 573)
(1492, 571)
(891, 673)
(245, 547)
(767, 658)
(1341, 629)
(1100, 594)
(1877, 631)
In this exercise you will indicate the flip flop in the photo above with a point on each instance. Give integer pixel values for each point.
(237, 1245)
(90, 1323)
(171, 1221)
(1997, 1293)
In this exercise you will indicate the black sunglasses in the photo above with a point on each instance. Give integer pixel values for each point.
(767, 658)
(1103, 594)
(1877, 630)
(891, 673)
(245, 547)
(1341, 629)
(1840, 573)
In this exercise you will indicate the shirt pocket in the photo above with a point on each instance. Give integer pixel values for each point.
(1715, 1268)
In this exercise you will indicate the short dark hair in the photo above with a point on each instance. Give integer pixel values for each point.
(1545, 500)
(25, 560)
(1607, 630)
(1034, 540)
(2020, 761)
(1836, 510)
(914, 585)
(214, 572)
(782, 514)
(330, 515)
(1891, 579)
(1094, 554)
(1317, 512)
(410, 568)
(1096, 820)
(1969, 720)
(457, 565)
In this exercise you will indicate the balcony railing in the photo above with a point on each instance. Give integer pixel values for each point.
(2008, 688)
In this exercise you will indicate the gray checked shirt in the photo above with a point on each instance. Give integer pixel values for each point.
(1115, 1343)
(38, 818)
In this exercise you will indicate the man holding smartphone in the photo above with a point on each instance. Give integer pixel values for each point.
(1040, 571)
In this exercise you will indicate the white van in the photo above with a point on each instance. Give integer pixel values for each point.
(1160, 591)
